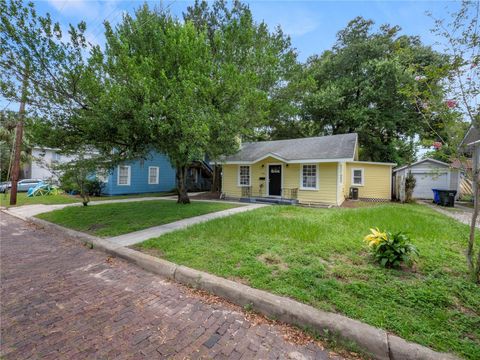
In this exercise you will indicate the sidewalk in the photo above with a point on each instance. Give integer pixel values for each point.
(25, 211)
(156, 231)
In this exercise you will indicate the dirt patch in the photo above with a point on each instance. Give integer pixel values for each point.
(206, 196)
(150, 251)
(353, 204)
(95, 227)
(272, 260)
(467, 311)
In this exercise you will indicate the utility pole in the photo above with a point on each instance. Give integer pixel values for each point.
(18, 142)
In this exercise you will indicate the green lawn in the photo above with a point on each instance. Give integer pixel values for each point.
(121, 218)
(317, 256)
(22, 198)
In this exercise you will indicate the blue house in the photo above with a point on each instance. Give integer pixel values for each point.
(154, 174)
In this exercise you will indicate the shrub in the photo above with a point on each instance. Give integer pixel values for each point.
(391, 250)
(410, 183)
(94, 187)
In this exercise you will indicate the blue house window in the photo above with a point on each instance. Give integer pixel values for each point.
(124, 174)
(153, 175)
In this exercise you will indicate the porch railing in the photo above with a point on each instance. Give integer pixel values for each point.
(290, 193)
(287, 193)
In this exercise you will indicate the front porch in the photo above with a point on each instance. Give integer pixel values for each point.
(288, 196)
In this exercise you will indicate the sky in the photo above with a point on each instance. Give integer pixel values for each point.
(312, 25)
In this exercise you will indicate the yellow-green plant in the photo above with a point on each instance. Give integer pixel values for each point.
(390, 250)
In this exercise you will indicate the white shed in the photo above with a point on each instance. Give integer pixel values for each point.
(430, 174)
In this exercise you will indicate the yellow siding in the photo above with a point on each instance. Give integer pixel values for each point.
(326, 193)
(342, 183)
(376, 182)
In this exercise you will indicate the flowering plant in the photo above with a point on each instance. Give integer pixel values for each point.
(390, 250)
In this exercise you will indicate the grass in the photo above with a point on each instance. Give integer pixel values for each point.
(22, 198)
(317, 256)
(115, 219)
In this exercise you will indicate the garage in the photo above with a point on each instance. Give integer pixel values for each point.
(430, 174)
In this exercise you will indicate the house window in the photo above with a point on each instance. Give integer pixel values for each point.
(357, 177)
(309, 177)
(340, 173)
(124, 175)
(244, 175)
(56, 157)
(153, 174)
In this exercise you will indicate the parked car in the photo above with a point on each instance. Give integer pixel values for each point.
(5, 186)
(25, 184)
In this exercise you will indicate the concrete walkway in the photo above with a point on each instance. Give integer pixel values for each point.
(156, 231)
(26, 211)
(460, 213)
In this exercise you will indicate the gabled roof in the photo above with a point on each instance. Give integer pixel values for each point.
(420, 162)
(472, 136)
(321, 148)
(462, 164)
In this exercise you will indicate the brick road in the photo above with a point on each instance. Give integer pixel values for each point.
(60, 300)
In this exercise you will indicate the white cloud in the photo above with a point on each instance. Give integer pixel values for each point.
(294, 22)
(93, 12)
(299, 26)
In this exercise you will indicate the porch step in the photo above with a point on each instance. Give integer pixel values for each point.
(269, 200)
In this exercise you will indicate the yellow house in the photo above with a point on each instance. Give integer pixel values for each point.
(316, 170)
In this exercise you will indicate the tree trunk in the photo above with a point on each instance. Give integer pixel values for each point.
(473, 222)
(474, 268)
(181, 174)
(216, 179)
(18, 143)
(83, 192)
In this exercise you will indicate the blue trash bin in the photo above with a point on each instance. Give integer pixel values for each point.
(436, 196)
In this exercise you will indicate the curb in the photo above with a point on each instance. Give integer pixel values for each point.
(373, 341)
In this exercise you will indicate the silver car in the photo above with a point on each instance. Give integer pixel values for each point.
(5, 186)
(25, 184)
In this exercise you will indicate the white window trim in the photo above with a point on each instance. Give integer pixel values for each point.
(317, 178)
(157, 177)
(249, 176)
(129, 175)
(363, 176)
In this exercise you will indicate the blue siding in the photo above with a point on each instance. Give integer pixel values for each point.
(139, 177)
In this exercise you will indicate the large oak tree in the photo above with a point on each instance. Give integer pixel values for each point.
(359, 88)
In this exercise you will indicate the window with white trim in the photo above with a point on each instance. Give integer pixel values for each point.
(244, 175)
(357, 177)
(309, 177)
(153, 172)
(56, 157)
(123, 175)
(340, 173)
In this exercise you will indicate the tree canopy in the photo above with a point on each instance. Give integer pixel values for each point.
(189, 87)
(185, 88)
(359, 87)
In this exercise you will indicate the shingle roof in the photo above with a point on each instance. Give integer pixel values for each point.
(313, 148)
(472, 135)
